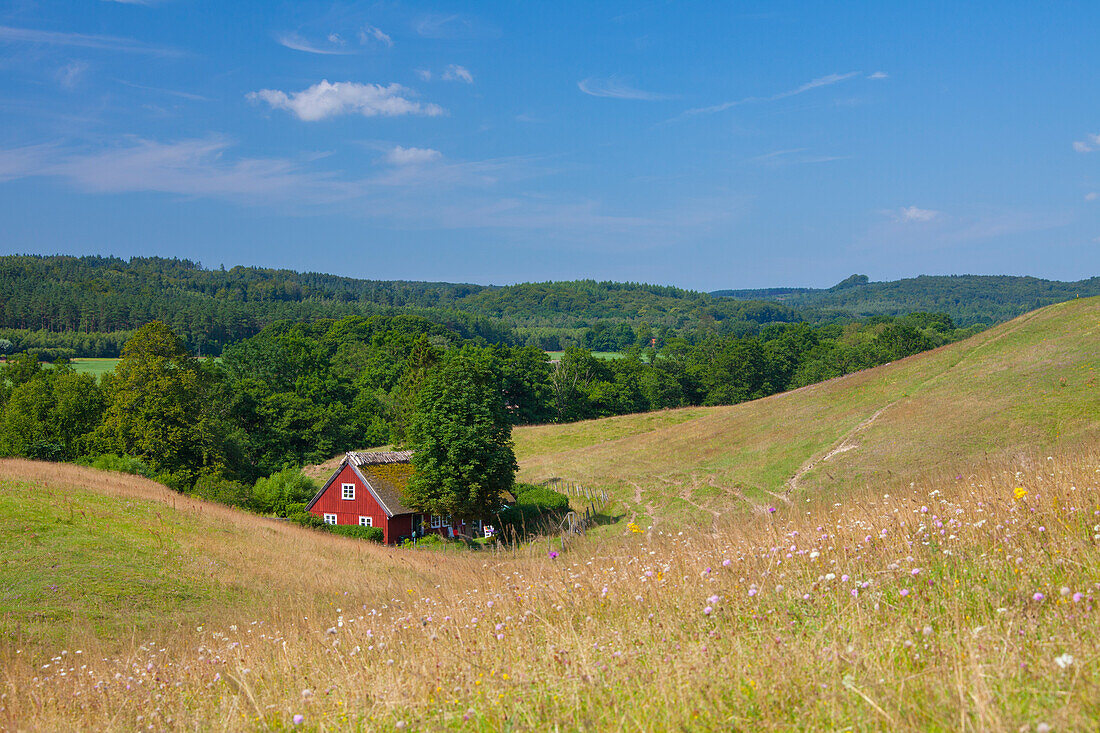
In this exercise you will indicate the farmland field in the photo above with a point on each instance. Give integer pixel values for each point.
(606, 355)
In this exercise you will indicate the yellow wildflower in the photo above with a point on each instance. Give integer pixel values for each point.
(1019, 493)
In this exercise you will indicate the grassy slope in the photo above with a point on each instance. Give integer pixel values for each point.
(984, 398)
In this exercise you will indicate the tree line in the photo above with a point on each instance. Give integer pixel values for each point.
(298, 393)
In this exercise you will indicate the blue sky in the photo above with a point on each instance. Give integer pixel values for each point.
(707, 145)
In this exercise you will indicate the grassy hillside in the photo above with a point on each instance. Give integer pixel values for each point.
(1029, 384)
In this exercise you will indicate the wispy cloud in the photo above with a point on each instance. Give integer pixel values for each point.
(794, 156)
(817, 83)
(9, 34)
(914, 214)
(1089, 144)
(615, 88)
(170, 92)
(455, 72)
(878, 75)
(295, 42)
(69, 75)
(441, 195)
(1092, 196)
(345, 97)
(412, 156)
(370, 33)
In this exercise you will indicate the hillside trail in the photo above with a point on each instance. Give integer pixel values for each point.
(847, 443)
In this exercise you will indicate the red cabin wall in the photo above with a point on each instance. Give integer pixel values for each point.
(348, 511)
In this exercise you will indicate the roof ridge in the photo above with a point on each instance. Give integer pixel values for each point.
(368, 458)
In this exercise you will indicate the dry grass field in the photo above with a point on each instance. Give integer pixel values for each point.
(961, 604)
(892, 588)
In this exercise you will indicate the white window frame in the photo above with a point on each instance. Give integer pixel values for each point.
(436, 521)
(330, 519)
(346, 489)
(446, 520)
(365, 521)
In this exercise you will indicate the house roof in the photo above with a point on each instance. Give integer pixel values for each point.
(384, 473)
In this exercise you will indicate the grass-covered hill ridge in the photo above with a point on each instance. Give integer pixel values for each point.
(1030, 384)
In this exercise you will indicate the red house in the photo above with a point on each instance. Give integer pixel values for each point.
(366, 490)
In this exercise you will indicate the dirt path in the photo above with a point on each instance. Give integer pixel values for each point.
(845, 444)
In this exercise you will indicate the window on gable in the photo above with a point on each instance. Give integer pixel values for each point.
(436, 521)
(348, 491)
(365, 522)
(330, 519)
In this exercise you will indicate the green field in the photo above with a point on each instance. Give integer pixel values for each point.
(608, 355)
(94, 366)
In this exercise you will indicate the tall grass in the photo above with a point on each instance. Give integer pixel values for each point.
(964, 601)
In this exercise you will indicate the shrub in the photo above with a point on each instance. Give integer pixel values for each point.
(374, 534)
(214, 487)
(122, 464)
(283, 492)
(542, 497)
(429, 540)
(306, 519)
(536, 508)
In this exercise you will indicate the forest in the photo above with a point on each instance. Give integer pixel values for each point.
(63, 306)
(300, 392)
(968, 299)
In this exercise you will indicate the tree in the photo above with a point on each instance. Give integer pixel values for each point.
(461, 436)
(158, 408)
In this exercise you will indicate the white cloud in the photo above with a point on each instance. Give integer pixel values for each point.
(913, 214)
(370, 33)
(412, 156)
(1092, 196)
(1089, 144)
(345, 97)
(458, 73)
(424, 74)
(9, 34)
(614, 88)
(822, 81)
(296, 43)
(878, 75)
(335, 38)
(69, 75)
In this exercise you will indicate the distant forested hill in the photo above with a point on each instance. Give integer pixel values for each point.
(213, 308)
(968, 299)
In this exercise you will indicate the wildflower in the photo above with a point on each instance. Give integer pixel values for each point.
(771, 510)
(725, 563)
(708, 610)
(927, 631)
(1019, 493)
(752, 592)
(805, 596)
(1063, 660)
(844, 578)
(298, 718)
(915, 572)
(904, 592)
(1042, 529)
(855, 592)
(553, 554)
(1065, 591)
(1077, 597)
(1038, 597)
(712, 600)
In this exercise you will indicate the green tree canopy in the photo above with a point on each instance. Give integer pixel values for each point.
(462, 438)
(158, 407)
